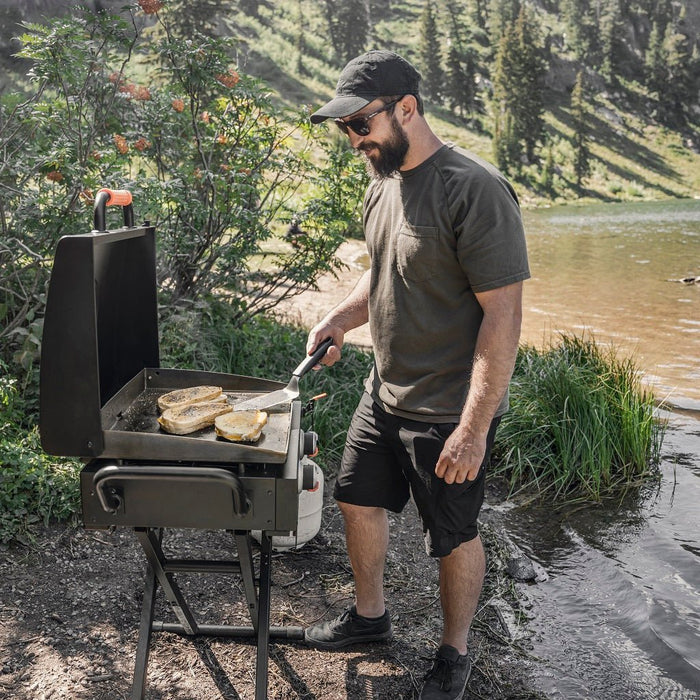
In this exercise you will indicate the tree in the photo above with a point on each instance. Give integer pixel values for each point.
(461, 66)
(517, 95)
(581, 140)
(671, 72)
(210, 162)
(348, 24)
(430, 54)
(610, 31)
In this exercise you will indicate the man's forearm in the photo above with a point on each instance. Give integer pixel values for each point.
(353, 311)
(494, 358)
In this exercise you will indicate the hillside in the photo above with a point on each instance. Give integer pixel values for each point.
(638, 148)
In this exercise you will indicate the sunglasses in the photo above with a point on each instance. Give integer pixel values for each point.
(360, 125)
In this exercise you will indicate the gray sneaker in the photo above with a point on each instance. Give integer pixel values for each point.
(348, 628)
(448, 677)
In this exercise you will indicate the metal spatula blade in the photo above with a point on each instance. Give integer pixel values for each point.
(291, 391)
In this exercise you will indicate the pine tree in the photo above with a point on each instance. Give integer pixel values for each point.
(461, 65)
(581, 139)
(517, 93)
(348, 24)
(505, 141)
(528, 78)
(430, 54)
(610, 30)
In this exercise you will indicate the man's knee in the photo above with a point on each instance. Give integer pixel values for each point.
(361, 514)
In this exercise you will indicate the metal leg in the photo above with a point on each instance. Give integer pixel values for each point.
(151, 546)
(144, 644)
(160, 572)
(263, 617)
(245, 561)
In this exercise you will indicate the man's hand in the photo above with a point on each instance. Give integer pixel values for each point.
(318, 334)
(461, 457)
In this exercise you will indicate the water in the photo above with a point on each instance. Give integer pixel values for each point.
(605, 269)
(619, 617)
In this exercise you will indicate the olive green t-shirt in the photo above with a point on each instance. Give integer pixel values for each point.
(436, 235)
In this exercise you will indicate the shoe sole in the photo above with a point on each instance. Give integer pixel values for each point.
(347, 641)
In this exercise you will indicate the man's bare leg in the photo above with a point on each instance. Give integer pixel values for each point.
(461, 578)
(367, 539)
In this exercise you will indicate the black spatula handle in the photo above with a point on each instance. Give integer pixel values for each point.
(310, 360)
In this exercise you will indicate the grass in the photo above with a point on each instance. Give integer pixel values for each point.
(580, 422)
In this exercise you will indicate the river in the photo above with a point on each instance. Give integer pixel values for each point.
(619, 616)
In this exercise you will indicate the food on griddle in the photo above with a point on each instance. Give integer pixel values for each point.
(181, 420)
(193, 394)
(241, 426)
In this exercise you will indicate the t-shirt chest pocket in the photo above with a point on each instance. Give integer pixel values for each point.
(416, 252)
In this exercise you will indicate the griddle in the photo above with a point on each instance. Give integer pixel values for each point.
(99, 385)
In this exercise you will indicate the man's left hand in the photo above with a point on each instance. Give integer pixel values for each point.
(461, 457)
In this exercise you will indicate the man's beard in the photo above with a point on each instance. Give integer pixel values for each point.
(391, 154)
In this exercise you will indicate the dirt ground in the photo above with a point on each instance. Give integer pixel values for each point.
(70, 608)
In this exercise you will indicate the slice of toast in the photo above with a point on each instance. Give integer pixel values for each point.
(193, 394)
(181, 420)
(241, 426)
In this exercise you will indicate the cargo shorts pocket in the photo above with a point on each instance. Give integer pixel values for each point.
(416, 252)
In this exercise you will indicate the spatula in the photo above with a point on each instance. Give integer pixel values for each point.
(291, 391)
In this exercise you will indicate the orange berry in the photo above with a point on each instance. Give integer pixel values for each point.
(150, 7)
(121, 144)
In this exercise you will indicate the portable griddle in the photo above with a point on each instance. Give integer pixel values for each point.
(100, 381)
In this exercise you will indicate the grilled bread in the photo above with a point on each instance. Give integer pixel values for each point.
(241, 426)
(193, 394)
(181, 420)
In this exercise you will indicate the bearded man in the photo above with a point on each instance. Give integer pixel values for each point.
(443, 297)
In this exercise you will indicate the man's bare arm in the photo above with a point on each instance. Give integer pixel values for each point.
(494, 359)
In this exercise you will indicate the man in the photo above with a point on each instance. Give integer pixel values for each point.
(443, 300)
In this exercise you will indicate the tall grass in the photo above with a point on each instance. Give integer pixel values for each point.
(205, 339)
(580, 422)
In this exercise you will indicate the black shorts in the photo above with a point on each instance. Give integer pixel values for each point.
(388, 458)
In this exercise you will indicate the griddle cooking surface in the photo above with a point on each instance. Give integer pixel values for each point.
(142, 417)
(131, 429)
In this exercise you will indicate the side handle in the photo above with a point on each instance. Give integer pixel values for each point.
(111, 500)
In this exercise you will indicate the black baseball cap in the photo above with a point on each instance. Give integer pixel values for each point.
(369, 76)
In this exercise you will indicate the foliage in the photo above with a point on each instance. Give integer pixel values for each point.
(211, 161)
(579, 424)
(348, 25)
(34, 488)
(430, 54)
(582, 164)
(518, 99)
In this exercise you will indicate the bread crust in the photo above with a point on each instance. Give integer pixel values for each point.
(190, 395)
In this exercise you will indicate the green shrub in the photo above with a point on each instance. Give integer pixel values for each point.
(580, 422)
(34, 488)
